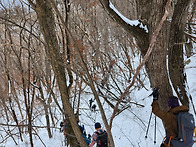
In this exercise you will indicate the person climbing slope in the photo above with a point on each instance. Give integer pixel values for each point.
(173, 123)
(100, 137)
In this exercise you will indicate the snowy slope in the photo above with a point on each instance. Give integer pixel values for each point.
(129, 127)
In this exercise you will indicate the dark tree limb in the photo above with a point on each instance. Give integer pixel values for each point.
(139, 33)
(176, 59)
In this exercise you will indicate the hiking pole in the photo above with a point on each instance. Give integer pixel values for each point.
(148, 124)
(155, 92)
(155, 123)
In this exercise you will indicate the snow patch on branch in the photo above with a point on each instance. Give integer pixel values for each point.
(128, 21)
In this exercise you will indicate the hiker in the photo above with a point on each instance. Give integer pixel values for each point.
(63, 127)
(82, 129)
(100, 137)
(90, 102)
(170, 121)
(94, 107)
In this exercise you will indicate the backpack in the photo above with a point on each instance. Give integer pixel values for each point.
(102, 139)
(186, 125)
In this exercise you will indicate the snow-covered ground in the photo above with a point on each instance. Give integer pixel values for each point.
(129, 127)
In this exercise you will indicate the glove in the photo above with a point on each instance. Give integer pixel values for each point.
(155, 93)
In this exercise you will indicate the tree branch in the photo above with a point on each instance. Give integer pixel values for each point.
(150, 48)
(136, 31)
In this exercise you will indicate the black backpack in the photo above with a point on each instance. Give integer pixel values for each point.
(102, 139)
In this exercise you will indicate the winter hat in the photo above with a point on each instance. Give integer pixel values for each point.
(97, 125)
(173, 102)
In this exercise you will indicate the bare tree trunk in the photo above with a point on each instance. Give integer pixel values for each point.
(29, 101)
(150, 14)
(15, 118)
(91, 84)
(176, 51)
(157, 66)
(46, 19)
(52, 93)
(42, 99)
(9, 92)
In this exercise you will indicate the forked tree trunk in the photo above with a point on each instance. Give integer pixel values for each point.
(150, 13)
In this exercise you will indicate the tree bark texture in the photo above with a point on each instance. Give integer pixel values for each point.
(150, 13)
(176, 47)
(91, 83)
(156, 65)
(46, 19)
